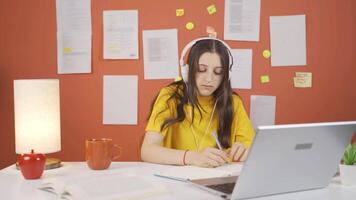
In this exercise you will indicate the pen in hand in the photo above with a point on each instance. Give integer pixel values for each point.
(218, 143)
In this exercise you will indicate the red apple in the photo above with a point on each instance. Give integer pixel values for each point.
(32, 165)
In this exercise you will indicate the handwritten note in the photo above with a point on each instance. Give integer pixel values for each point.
(303, 80)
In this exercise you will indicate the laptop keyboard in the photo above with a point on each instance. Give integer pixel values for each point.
(225, 187)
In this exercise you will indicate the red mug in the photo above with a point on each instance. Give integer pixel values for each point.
(98, 153)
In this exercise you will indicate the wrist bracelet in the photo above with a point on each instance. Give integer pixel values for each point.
(185, 153)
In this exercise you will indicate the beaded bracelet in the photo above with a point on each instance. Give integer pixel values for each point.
(185, 153)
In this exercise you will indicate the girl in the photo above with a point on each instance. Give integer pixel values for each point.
(186, 113)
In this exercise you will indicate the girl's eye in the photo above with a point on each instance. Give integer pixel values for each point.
(218, 71)
(202, 68)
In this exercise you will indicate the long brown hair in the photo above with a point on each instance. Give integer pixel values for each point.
(186, 92)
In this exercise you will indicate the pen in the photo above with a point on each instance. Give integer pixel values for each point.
(218, 143)
(216, 140)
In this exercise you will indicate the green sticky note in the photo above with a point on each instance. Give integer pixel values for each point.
(211, 9)
(264, 79)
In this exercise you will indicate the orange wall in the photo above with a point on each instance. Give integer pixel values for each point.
(28, 50)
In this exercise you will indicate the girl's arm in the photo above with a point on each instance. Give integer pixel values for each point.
(152, 151)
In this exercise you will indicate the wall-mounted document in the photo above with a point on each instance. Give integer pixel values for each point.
(288, 40)
(73, 36)
(73, 15)
(73, 52)
(262, 110)
(160, 54)
(241, 72)
(242, 20)
(120, 34)
(120, 99)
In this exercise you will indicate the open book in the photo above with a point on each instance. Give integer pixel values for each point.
(184, 173)
(104, 187)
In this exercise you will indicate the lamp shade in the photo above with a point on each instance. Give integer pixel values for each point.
(37, 115)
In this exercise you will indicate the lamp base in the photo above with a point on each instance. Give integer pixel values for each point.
(51, 163)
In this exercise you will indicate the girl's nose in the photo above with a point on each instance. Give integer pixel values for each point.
(209, 76)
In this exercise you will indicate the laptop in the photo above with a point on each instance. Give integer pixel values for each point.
(286, 158)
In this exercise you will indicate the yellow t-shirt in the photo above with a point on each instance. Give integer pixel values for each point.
(180, 135)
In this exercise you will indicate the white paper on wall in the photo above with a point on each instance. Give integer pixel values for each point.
(73, 36)
(241, 72)
(160, 54)
(120, 99)
(242, 20)
(262, 110)
(120, 34)
(73, 53)
(288, 40)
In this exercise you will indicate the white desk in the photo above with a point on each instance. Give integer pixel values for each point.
(14, 186)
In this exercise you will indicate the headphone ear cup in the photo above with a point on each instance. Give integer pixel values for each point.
(184, 72)
(230, 74)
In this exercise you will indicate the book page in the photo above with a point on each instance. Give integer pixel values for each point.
(104, 187)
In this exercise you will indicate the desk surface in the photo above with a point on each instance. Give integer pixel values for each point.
(14, 186)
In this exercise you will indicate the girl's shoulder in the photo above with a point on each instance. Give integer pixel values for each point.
(171, 89)
(168, 92)
(236, 100)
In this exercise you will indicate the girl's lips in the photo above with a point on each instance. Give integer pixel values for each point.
(207, 86)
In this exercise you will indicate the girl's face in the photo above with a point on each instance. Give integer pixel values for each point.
(209, 73)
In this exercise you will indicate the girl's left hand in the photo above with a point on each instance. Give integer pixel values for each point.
(238, 152)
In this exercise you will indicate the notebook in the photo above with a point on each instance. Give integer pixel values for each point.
(185, 173)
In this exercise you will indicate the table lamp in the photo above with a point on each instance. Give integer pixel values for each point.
(37, 124)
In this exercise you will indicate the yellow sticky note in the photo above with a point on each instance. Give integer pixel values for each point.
(179, 12)
(189, 26)
(266, 54)
(67, 50)
(211, 9)
(264, 79)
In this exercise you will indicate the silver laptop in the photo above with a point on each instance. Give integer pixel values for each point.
(286, 158)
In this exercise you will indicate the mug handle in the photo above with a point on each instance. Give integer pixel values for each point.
(119, 154)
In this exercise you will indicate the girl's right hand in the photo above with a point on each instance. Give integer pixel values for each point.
(209, 157)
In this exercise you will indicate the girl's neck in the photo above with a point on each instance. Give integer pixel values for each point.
(205, 100)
